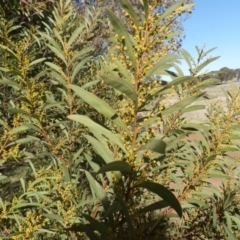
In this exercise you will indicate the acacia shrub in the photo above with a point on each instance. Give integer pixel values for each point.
(107, 150)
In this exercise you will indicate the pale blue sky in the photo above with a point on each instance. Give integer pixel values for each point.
(215, 23)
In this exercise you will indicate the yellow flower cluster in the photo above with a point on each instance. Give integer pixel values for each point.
(10, 154)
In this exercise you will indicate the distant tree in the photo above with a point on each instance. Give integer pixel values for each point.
(226, 74)
(237, 74)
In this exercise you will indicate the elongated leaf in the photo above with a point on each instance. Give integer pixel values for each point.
(146, 8)
(56, 68)
(155, 145)
(189, 60)
(100, 149)
(187, 206)
(235, 127)
(9, 83)
(82, 53)
(210, 50)
(97, 190)
(58, 53)
(54, 217)
(96, 225)
(84, 228)
(176, 142)
(126, 212)
(228, 219)
(162, 61)
(197, 202)
(164, 193)
(36, 61)
(75, 34)
(181, 104)
(80, 66)
(177, 181)
(58, 36)
(58, 105)
(90, 84)
(25, 127)
(9, 51)
(123, 70)
(236, 220)
(55, 74)
(23, 184)
(92, 164)
(175, 82)
(115, 207)
(27, 205)
(155, 206)
(229, 233)
(129, 9)
(9, 71)
(211, 82)
(13, 28)
(20, 141)
(123, 86)
(195, 126)
(96, 127)
(193, 108)
(51, 41)
(166, 13)
(122, 32)
(203, 65)
(115, 166)
(179, 70)
(44, 231)
(100, 105)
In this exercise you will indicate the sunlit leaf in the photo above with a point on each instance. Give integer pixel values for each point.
(96, 127)
(100, 105)
(123, 86)
(120, 166)
(75, 34)
(146, 8)
(166, 13)
(122, 32)
(156, 69)
(97, 190)
(79, 67)
(100, 149)
(180, 105)
(155, 145)
(58, 53)
(36, 61)
(129, 9)
(204, 64)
